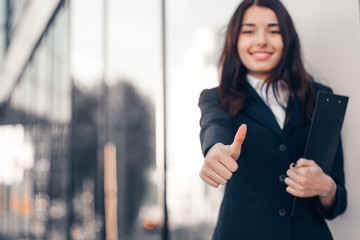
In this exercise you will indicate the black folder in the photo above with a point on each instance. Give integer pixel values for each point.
(325, 130)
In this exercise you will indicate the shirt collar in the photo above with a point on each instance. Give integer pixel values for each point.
(256, 83)
(260, 87)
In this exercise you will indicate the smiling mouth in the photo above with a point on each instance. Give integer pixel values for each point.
(261, 55)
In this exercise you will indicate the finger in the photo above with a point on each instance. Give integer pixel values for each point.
(209, 181)
(235, 147)
(294, 175)
(301, 170)
(229, 163)
(292, 191)
(222, 170)
(294, 185)
(214, 176)
(302, 162)
(298, 193)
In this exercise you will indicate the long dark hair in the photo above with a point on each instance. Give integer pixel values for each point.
(233, 91)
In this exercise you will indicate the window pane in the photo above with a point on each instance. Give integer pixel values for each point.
(134, 81)
(196, 30)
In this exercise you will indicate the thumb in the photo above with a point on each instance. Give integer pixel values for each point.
(235, 147)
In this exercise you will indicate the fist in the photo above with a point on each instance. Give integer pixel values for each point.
(306, 179)
(220, 161)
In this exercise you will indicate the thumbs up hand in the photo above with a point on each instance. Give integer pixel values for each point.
(220, 161)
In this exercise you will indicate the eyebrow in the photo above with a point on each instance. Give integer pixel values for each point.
(270, 24)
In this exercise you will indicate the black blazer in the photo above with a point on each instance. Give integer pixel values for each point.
(256, 204)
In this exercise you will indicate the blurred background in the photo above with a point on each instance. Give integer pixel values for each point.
(98, 104)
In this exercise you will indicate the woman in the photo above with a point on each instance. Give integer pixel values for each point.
(263, 109)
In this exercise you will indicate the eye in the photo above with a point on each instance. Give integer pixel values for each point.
(275, 32)
(247, 32)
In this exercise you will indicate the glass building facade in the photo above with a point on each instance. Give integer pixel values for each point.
(99, 124)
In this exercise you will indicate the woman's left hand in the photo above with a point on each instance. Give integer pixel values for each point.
(306, 179)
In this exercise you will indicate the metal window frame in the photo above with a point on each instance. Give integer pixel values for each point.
(26, 36)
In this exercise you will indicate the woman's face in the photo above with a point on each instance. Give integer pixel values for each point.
(260, 44)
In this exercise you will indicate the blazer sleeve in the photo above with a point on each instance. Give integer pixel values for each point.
(215, 122)
(337, 174)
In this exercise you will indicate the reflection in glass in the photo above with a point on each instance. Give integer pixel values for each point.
(35, 182)
(134, 84)
(131, 128)
(3, 15)
(86, 219)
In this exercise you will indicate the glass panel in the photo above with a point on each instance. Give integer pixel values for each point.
(17, 8)
(85, 157)
(87, 141)
(61, 84)
(42, 63)
(16, 179)
(86, 42)
(195, 34)
(133, 105)
(19, 99)
(34, 199)
(2, 30)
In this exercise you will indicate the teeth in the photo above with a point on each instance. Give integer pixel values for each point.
(261, 54)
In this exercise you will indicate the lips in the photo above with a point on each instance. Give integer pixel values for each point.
(261, 56)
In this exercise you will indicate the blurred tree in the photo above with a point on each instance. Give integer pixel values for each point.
(131, 126)
(84, 136)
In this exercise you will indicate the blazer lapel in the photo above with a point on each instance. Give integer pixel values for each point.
(260, 112)
(295, 117)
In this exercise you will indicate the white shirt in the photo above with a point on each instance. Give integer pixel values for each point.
(270, 100)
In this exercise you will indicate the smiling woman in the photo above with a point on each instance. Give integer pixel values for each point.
(255, 124)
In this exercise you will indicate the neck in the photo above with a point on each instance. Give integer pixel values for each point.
(261, 76)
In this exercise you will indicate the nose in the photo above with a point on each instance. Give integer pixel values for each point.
(261, 39)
